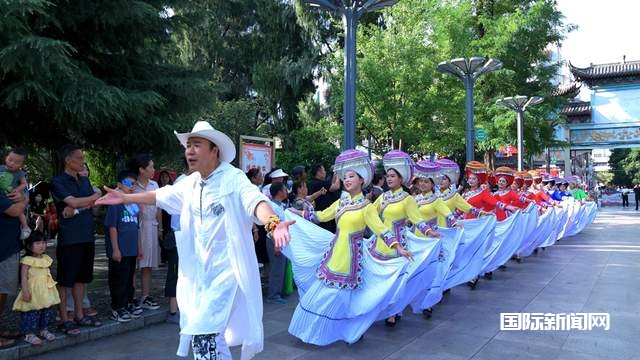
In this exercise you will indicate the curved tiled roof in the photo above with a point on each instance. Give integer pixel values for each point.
(603, 74)
(577, 108)
(571, 89)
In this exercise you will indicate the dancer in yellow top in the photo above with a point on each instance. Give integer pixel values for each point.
(430, 205)
(395, 207)
(455, 202)
(340, 296)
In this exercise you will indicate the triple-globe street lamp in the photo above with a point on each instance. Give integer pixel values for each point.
(519, 104)
(468, 70)
(351, 11)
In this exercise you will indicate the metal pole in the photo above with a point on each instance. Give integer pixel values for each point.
(350, 27)
(470, 135)
(520, 121)
(548, 160)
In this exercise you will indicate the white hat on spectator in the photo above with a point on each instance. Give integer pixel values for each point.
(278, 173)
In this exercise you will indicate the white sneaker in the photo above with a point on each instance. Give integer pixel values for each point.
(25, 233)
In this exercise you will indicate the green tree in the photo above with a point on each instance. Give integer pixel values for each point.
(258, 54)
(631, 167)
(616, 163)
(315, 142)
(97, 73)
(401, 96)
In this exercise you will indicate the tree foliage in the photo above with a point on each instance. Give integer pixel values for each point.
(401, 96)
(93, 72)
(625, 167)
(258, 54)
(315, 142)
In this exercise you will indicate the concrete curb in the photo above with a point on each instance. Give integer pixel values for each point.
(109, 327)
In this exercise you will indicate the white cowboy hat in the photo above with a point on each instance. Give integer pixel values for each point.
(204, 130)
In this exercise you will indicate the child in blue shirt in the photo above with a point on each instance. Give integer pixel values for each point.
(122, 247)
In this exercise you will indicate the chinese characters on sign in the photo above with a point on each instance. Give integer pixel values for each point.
(256, 156)
(549, 321)
(618, 135)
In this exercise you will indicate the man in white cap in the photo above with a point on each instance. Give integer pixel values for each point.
(218, 291)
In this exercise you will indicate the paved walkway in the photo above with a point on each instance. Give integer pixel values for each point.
(595, 271)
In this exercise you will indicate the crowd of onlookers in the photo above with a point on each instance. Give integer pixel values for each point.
(298, 190)
(137, 240)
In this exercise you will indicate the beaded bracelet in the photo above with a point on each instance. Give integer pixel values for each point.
(272, 223)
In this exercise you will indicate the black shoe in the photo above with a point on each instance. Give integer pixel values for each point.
(535, 251)
(473, 283)
(446, 292)
(427, 313)
(502, 267)
(488, 275)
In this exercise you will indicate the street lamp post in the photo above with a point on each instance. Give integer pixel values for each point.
(468, 71)
(519, 104)
(351, 11)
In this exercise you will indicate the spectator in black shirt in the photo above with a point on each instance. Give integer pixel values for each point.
(332, 185)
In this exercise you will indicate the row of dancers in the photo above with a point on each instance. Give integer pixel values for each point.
(403, 250)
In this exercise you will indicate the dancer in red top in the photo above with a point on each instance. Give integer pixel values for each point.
(542, 199)
(477, 196)
(504, 179)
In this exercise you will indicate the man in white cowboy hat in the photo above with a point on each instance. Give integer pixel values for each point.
(218, 289)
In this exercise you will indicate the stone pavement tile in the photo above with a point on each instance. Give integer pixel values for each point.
(410, 327)
(556, 294)
(599, 344)
(290, 341)
(475, 322)
(625, 327)
(424, 353)
(365, 349)
(572, 355)
(275, 326)
(578, 288)
(276, 352)
(443, 340)
(594, 258)
(543, 337)
(514, 350)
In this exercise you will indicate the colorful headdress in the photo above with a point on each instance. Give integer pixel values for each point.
(528, 179)
(546, 178)
(519, 178)
(491, 178)
(535, 175)
(428, 169)
(506, 173)
(354, 160)
(450, 169)
(478, 169)
(401, 162)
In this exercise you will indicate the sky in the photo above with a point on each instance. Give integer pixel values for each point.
(607, 30)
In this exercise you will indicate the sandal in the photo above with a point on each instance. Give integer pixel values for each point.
(88, 321)
(69, 328)
(6, 343)
(90, 311)
(33, 339)
(46, 334)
